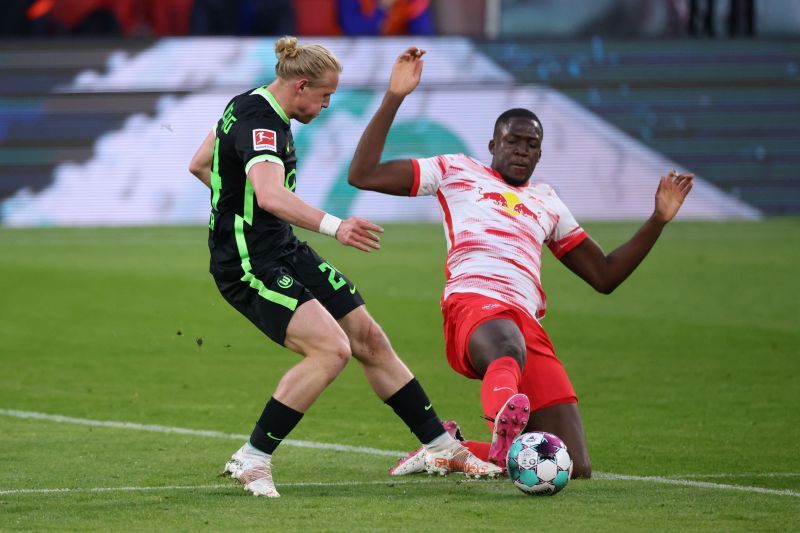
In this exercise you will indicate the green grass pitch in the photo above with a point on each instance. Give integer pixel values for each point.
(688, 375)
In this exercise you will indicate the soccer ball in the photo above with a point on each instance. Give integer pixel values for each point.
(538, 463)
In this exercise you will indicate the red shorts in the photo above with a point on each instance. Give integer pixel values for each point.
(544, 379)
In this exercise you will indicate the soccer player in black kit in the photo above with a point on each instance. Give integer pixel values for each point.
(281, 285)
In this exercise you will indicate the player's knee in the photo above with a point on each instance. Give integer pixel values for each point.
(510, 347)
(372, 346)
(581, 469)
(332, 352)
(341, 350)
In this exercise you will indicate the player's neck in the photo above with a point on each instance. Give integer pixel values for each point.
(283, 95)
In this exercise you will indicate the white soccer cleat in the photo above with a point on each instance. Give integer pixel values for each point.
(414, 462)
(252, 468)
(458, 459)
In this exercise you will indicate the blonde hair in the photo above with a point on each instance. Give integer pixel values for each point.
(303, 60)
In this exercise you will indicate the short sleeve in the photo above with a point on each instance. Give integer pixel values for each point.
(428, 175)
(567, 233)
(260, 139)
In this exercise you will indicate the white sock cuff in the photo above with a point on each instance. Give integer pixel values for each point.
(442, 442)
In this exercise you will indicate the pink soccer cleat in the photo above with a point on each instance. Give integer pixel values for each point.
(510, 421)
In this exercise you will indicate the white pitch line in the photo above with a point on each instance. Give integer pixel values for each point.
(220, 486)
(359, 449)
(698, 484)
(194, 432)
(738, 474)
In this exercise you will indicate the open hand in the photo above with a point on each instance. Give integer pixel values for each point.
(359, 233)
(672, 191)
(406, 72)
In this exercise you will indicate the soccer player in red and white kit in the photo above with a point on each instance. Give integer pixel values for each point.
(497, 221)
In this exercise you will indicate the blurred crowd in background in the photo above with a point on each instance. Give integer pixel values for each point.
(476, 18)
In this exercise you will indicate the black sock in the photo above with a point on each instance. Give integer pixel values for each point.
(275, 423)
(412, 405)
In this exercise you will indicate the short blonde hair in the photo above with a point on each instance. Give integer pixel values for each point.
(303, 60)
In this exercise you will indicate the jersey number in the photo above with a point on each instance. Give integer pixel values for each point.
(336, 283)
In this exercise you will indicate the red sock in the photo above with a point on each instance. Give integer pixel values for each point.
(478, 449)
(500, 382)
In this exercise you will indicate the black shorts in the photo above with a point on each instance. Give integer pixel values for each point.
(269, 296)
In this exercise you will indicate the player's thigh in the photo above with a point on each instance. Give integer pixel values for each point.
(313, 332)
(500, 337)
(564, 421)
(268, 299)
(335, 291)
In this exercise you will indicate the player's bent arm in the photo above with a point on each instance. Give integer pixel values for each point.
(267, 179)
(606, 272)
(200, 165)
(366, 171)
(394, 177)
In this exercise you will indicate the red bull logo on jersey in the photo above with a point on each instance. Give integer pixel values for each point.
(509, 202)
(264, 140)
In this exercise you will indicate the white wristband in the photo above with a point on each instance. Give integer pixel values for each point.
(329, 225)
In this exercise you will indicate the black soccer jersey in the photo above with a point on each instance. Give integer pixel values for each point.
(243, 236)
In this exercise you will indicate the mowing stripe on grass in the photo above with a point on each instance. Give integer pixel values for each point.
(357, 449)
(194, 432)
(388, 483)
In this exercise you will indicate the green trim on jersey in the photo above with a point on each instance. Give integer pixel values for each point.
(249, 195)
(260, 158)
(249, 278)
(263, 91)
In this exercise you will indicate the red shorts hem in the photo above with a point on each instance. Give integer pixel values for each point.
(560, 401)
(544, 379)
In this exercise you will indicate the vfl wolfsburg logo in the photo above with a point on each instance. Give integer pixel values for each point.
(285, 282)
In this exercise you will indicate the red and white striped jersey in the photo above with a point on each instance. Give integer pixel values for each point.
(495, 230)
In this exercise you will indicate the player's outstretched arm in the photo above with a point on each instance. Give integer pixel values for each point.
(267, 179)
(606, 272)
(200, 165)
(366, 171)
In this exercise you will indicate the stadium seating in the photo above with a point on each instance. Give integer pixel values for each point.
(728, 110)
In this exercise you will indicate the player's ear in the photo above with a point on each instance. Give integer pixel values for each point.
(300, 85)
(491, 147)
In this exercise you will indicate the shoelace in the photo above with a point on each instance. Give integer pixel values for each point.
(458, 462)
(257, 473)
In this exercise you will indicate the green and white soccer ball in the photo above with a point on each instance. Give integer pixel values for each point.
(539, 463)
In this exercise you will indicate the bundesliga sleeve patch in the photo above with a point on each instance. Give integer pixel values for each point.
(264, 140)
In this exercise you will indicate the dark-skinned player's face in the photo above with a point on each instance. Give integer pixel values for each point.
(516, 148)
